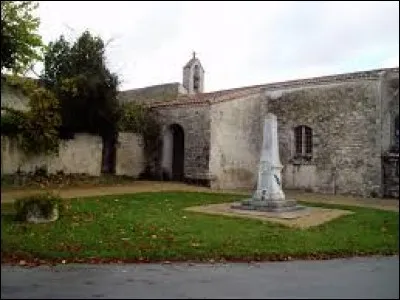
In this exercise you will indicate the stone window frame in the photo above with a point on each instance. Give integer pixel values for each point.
(303, 142)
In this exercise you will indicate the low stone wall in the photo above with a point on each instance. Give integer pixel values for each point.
(81, 155)
(130, 155)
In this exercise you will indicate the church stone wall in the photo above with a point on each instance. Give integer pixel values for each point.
(346, 117)
(346, 124)
(390, 109)
(236, 138)
(195, 121)
(390, 140)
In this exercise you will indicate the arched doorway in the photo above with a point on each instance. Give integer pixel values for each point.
(174, 152)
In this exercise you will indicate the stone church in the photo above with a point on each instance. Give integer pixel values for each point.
(338, 134)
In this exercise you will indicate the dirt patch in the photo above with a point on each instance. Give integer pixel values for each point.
(312, 216)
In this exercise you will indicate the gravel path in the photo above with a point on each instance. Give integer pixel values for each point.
(8, 195)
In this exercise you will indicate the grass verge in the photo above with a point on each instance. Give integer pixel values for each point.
(151, 227)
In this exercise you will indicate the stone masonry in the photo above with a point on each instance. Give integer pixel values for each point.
(196, 127)
(350, 118)
(343, 117)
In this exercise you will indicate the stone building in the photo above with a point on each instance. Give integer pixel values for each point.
(338, 134)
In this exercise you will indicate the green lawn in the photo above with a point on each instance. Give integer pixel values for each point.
(153, 227)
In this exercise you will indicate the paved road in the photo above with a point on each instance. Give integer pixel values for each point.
(368, 278)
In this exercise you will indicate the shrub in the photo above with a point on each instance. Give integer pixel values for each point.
(11, 122)
(40, 130)
(36, 128)
(40, 205)
(142, 120)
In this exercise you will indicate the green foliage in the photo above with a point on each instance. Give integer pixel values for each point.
(40, 130)
(142, 120)
(36, 129)
(12, 122)
(45, 202)
(87, 90)
(21, 45)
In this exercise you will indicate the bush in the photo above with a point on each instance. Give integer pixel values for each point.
(140, 119)
(36, 128)
(38, 206)
(40, 130)
(11, 123)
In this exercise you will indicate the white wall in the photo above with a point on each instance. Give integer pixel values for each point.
(81, 155)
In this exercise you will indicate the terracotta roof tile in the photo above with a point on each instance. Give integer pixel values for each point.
(226, 95)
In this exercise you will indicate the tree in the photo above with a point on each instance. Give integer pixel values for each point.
(87, 89)
(40, 128)
(21, 45)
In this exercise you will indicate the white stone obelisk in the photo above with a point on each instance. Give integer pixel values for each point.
(269, 183)
(268, 196)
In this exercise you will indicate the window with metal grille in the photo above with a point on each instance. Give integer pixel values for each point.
(303, 140)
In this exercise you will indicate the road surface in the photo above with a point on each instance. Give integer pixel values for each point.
(368, 278)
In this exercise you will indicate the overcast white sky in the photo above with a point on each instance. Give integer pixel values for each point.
(238, 43)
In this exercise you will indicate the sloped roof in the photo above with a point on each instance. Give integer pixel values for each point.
(154, 93)
(209, 98)
(226, 95)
